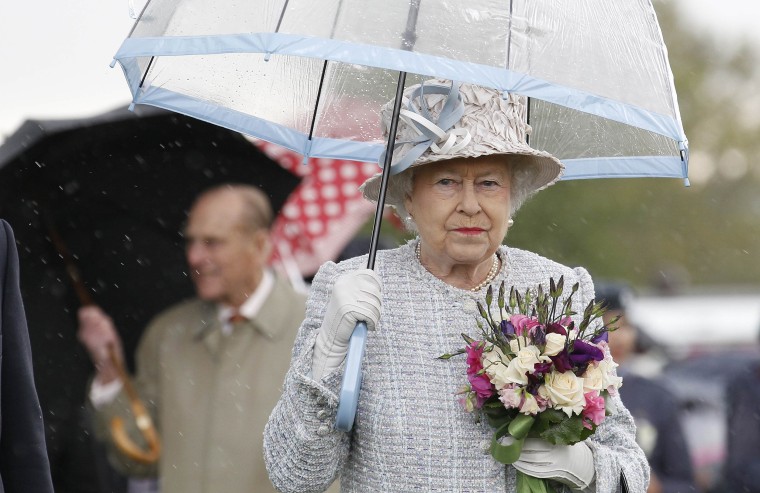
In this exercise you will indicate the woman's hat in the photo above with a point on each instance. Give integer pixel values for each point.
(443, 120)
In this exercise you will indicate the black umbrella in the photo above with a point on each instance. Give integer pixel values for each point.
(116, 187)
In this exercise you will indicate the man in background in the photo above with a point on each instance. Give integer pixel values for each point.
(741, 472)
(210, 369)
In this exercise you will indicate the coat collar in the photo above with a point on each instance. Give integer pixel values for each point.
(271, 321)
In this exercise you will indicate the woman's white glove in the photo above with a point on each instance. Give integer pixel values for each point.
(572, 465)
(355, 298)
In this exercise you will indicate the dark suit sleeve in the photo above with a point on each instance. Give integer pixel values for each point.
(742, 467)
(24, 466)
(671, 461)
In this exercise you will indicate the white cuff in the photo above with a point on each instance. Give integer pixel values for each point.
(102, 394)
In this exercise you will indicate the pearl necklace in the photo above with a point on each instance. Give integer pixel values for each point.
(491, 273)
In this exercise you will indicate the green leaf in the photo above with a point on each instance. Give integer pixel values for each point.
(482, 312)
(521, 425)
(560, 286)
(512, 299)
(547, 419)
(451, 355)
(529, 484)
(567, 432)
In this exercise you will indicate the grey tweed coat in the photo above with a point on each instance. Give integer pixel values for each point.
(410, 433)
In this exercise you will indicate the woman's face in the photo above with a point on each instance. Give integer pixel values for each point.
(461, 207)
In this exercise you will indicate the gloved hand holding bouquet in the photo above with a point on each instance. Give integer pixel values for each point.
(542, 383)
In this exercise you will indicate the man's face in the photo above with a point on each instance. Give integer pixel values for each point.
(226, 262)
(623, 339)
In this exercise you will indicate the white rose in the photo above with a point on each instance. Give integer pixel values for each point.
(611, 382)
(530, 404)
(495, 366)
(601, 376)
(554, 344)
(594, 378)
(524, 362)
(565, 391)
(518, 343)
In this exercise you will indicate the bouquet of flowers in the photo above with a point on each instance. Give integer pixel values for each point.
(534, 373)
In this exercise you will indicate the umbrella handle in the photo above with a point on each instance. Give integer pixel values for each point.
(129, 448)
(352, 373)
(142, 418)
(352, 379)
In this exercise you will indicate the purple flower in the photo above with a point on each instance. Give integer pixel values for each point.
(602, 335)
(507, 328)
(541, 369)
(584, 352)
(536, 378)
(538, 333)
(562, 361)
(556, 328)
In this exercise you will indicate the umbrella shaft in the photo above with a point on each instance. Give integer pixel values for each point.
(386, 170)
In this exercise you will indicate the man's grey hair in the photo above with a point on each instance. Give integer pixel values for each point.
(257, 210)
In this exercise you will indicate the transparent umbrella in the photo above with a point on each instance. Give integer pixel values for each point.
(312, 75)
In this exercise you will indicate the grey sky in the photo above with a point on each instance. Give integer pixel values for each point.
(55, 55)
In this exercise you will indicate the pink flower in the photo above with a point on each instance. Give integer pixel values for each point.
(510, 396)
(523, 323)
(482, 387)
(474, 357)
(593, 412)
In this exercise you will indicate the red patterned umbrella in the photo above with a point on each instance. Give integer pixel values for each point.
(322, 214)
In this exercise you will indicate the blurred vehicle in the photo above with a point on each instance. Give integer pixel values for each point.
(685, 325)
(702, 340)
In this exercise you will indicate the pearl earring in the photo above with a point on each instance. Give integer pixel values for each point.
(510, 222)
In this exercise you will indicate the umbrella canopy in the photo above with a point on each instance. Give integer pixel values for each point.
(116, 187)
(312, 75)
(323, 214)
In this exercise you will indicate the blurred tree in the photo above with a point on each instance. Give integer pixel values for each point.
(656, 232)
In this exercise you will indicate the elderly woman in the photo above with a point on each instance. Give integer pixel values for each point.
(410, 433)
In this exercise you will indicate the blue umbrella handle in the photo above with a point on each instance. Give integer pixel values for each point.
(352, 374)
(352, 379)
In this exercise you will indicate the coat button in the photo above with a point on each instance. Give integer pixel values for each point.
(323, 430)
(321, 400)
(322, 415)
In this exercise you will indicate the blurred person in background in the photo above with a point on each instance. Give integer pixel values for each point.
(654, 408)
(24, 466)
(209, 369)
(741, 473)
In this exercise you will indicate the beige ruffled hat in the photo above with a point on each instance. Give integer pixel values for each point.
(443, 120)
